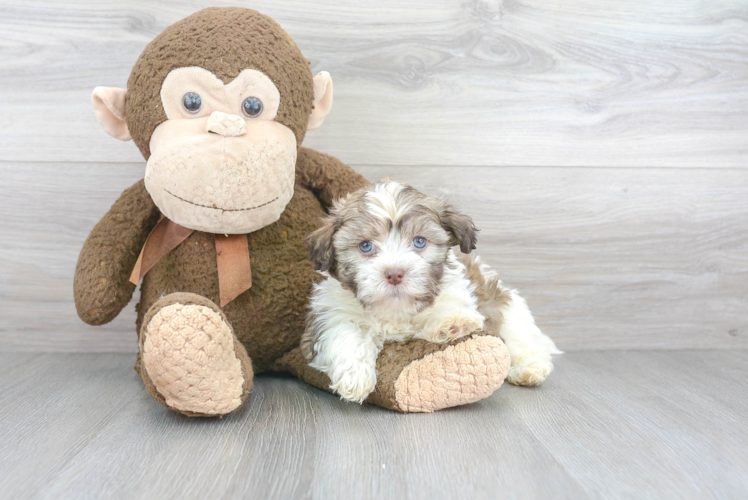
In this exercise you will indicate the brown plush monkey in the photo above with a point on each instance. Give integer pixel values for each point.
(219, 104)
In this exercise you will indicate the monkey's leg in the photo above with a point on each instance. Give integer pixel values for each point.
(190, 359)
(421, 376)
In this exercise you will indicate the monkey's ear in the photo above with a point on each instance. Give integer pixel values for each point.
(322, 100)
(320, 244)
(109, 106)
(461, 226)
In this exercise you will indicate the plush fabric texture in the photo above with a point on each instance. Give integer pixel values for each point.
(226, 125)
(269, 317)
(397, 357)
(225, 41)
(459, 374)
(109, 108)
(256, 177)
(192, 358)
(322, 100)
(101, 286)
(189, 382)
(421, 376)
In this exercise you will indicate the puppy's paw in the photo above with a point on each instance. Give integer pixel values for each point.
(529, 370)
(355, 382)
(455, 326)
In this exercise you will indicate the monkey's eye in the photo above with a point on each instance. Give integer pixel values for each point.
(419, 242)
(252, 107)
(192, 102)
(366, 246)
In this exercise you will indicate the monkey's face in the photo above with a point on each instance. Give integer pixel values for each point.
(220, 163)
(218, 104)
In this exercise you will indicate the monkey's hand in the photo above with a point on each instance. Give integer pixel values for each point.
(328, 177)
(101, 286)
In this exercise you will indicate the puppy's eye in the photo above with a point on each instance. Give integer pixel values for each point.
(419, 242)
(252, 107)
(192, 102)
(366, 246)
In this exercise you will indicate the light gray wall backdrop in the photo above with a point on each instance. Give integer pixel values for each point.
(600, 145)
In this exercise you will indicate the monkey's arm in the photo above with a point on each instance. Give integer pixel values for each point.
(101, 286)
(326, 176)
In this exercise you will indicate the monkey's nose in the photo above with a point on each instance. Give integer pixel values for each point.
(226, 125)
(394, 276)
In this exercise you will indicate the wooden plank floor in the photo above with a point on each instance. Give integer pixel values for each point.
(630, 424)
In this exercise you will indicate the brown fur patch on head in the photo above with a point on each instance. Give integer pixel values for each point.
(225, 41)
(321, 242)
(320, 246)
(461, 227)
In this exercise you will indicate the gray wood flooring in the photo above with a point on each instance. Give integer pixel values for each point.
(627, 424)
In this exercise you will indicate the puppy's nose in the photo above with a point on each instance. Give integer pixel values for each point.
(394, 276)
(226, 125)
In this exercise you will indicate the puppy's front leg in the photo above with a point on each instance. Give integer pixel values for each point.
(451, 324)
(348, 356)
(453, 314)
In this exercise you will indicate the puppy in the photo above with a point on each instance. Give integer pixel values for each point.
(392, 275)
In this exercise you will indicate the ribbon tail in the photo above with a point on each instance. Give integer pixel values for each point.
(165, 237)
(234, 271)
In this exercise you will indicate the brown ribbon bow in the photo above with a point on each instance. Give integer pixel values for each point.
(232, 257)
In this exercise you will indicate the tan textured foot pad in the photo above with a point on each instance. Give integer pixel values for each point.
(188, 352)
(460, 374)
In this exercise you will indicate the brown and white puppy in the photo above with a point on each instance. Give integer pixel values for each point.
(394, 276)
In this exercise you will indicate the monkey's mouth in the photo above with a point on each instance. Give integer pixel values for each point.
(213, 207)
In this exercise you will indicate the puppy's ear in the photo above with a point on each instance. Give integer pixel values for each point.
(320, 244)
(461, 227)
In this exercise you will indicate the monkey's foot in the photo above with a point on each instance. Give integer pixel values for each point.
(190, 359)
(462, 373)
(422, 376)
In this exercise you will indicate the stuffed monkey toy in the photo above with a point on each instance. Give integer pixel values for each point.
(219, 104)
